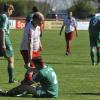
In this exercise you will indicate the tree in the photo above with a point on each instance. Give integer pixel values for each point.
(81, 9)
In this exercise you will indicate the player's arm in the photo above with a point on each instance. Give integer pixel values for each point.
(2, 31)
(41, 27)
(76, 31)
(30, 43)
(41, 48)
(2, 38)
(75, 26)
(61, 29)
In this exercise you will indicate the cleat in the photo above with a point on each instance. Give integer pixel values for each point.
(13, 81)
(66, 53)
(93, 64)
(2, 93)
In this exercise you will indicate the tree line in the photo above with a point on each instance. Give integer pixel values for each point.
(81, 8)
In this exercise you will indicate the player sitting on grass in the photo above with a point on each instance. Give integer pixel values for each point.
(45, 76)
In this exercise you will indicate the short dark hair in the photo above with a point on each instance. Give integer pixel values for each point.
(38, 61)
(34, 9)
(8, 6)
(37, 16)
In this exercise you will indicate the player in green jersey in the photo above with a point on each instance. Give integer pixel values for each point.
(94, 35)
(6, 49)
(45, 76)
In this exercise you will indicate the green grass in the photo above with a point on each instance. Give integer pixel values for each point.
(78, 80)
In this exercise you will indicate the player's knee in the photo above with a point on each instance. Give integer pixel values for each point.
(10, 60)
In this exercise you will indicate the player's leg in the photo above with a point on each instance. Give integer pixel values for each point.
(98, 56)
(9, 55)
(92, 49)
(69, 38)
(11, 69)
(71, 35)
(68, 46)
(25, 55)
(2, 93)
(21, 90)
(92, 54)
(98, 50)
(67, 43)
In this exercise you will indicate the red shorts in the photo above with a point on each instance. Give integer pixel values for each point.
(25, 55)
(69, 36)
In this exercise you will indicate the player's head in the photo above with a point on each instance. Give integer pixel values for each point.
(38, 62)
(70, 14)
(34, 9)
(37, 18)
(8, 8)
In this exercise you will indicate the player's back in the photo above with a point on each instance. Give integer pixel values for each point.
(49, 80)
(94, 25)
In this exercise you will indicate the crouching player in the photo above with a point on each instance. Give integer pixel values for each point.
(47, 78)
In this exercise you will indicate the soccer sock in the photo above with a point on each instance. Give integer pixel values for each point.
(68, 47)
(98, 56)
(92, 56)
(11, 74)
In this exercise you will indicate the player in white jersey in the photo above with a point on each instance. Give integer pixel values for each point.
(31, 44)
(70, 25)
(30, 15)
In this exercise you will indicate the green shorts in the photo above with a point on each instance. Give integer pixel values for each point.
(9, 50)
(95, 41)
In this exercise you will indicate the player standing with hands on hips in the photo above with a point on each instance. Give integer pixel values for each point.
(70, 26)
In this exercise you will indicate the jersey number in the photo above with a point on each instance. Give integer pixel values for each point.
(95, 21)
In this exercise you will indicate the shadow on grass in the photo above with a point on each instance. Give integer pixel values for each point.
(68, 63)
(86, 93)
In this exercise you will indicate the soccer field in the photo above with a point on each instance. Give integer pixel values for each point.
(78, 79)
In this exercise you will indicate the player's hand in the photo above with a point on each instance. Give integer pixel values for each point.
(3, 48)
(26, 82)
(41, 48)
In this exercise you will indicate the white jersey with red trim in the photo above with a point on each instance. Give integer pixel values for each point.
(70, 24)
(31, 33)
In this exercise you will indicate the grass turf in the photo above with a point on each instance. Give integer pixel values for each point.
(78, 79)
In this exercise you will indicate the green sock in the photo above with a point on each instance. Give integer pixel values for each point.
(92, 56)
(11, 74)
(98, 57)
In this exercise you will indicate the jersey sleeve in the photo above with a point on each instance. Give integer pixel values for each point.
(64, 22)
(3, 22)
(75, 22)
